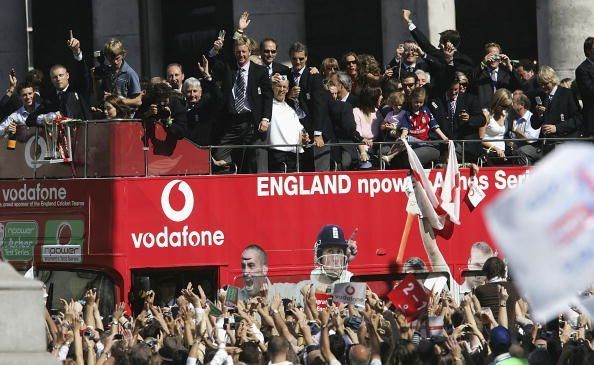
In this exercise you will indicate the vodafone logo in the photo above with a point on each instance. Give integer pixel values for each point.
(182, 214)
(177, 237)
(30, 149)
(350, 290)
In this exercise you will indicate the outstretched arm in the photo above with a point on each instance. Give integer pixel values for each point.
(435, 256)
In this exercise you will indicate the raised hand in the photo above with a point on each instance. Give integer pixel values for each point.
(73, 44)
(244, 21)
(203, 67)
(12, 79)
(406, 15)
(119, 311)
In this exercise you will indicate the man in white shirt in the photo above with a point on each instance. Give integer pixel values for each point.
(26, 94)
(285, 129)
(521, 128)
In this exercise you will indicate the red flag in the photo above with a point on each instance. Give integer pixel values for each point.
(322, 301)
(409, 297)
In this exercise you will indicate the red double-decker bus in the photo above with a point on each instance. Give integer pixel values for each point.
(133, 209)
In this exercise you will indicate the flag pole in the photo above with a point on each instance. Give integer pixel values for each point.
(404, 238)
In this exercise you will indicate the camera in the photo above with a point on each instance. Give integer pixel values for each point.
(163, 112)
(151, 342)
(496, 58)
(101, 71)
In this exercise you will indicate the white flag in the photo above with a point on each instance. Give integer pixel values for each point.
(435, 209)
(450, 190)
(545, 228)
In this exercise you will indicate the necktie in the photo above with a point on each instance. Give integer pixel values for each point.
(239, 90)
(494, 80)
(270, 70)
(452, 109)
(62, 102)
(300, 113)
(296, 76)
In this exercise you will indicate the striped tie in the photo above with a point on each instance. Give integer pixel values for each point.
(239, 90)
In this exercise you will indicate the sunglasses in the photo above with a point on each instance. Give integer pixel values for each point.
(464, 84)
(351, 62)
(298, 58)
(333, 68)
(271, 51)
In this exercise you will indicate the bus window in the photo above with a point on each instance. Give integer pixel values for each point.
(73, 284)
(167, 284)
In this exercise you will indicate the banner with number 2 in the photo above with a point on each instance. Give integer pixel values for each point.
(409, 297)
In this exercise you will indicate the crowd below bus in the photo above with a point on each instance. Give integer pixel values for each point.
(331, 117)
(490, 325)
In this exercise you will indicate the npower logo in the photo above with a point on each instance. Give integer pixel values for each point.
(182, 214)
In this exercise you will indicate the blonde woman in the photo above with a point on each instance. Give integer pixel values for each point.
(494, 130)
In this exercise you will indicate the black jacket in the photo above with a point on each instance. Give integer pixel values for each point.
(562, 111)
(201, 117)
(313, 100)
(454, 128)
(482, 85)
(584, 77)
(259, 89)
(278, 68)
(442, 73)
(342, 120)
(74, 102)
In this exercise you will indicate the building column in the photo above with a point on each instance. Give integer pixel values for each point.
(13, 44)
(23, 329)
(118, 19)
(431, 16)
(285, 22)
(562, 27)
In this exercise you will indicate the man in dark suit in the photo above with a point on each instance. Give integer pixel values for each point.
(247, 94)
(527, 72)
(69, 95)
(459, 116)
(307, 90)
(344, 89)
(268, 49)
(584, 76)
(555, 110)
(442, 62)
(407, 59)
(344, 130)
(203, 102)
(495, 72)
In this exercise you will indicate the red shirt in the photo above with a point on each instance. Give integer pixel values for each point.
(419, 124)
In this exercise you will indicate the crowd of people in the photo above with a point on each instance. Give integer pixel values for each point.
(334, 116)
(491, 324)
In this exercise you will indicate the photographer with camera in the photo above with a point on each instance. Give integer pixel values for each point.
(495, 72)
(117, 77)
(160, 106)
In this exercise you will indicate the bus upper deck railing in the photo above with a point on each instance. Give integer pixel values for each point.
(133, 148)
